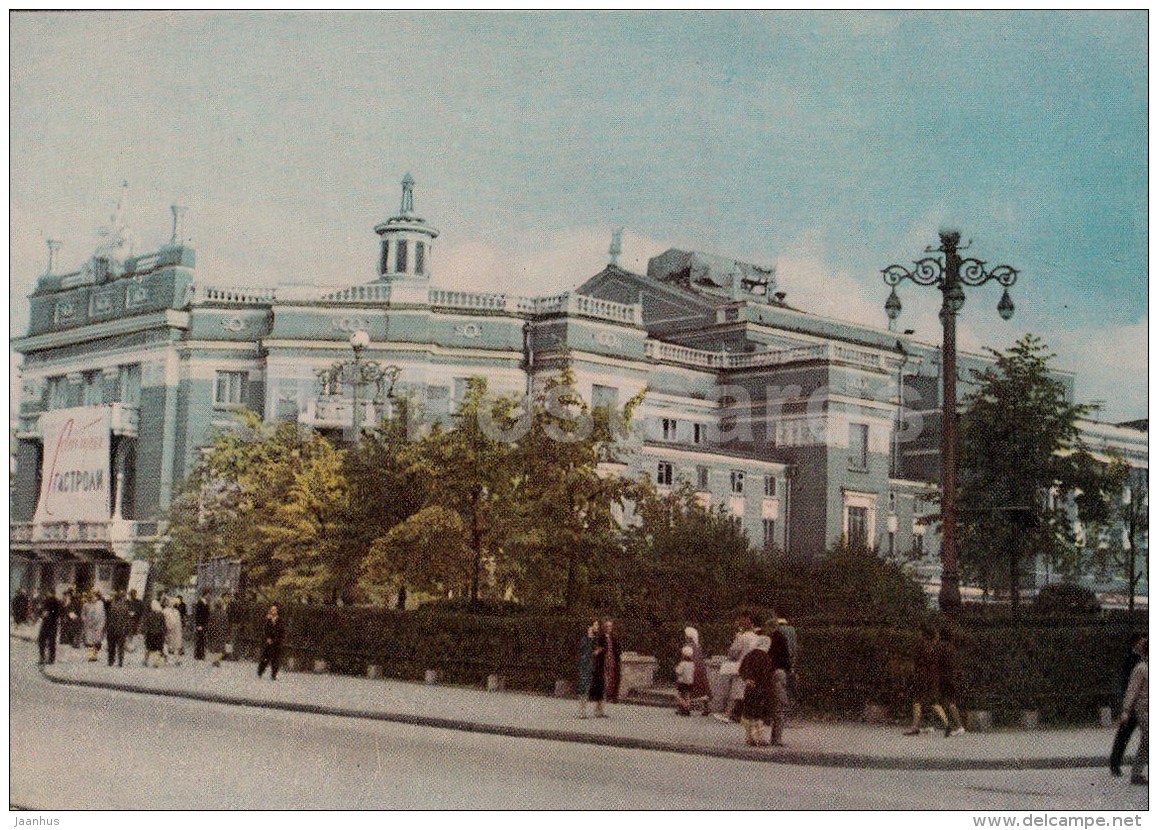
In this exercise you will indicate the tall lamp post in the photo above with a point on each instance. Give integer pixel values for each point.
(949, 273)
(358, 373)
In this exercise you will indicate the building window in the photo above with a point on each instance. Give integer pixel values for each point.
(229, 390)
(384, 258)
(58, 392)
(858, 446)
(400, 257)
(769, 532)
(858, 527)
(892, 543)
(769, 485)
(419, 258)
(698, 433)
(701, 478)
(663, 474)
(92, 393)
(737, 481)
(669, 429)
(918, 544)
(129, 384)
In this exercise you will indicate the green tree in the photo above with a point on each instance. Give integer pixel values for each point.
(565, 526)
(1021, 460)
(426, 551)
(272, 497)
(686, 561)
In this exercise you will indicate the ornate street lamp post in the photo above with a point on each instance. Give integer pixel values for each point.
(949, 275)
(358, 373)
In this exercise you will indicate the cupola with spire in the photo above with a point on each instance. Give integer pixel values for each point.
(404, 252)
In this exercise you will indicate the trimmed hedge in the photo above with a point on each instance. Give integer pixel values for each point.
(1064, 668)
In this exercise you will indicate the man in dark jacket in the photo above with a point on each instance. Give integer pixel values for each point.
(117, 627)
(49, 623)
(200, 625)
(273, 635)
(1125, 728)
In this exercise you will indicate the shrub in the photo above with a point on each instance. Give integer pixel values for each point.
(1065, 598)
(1065, 668)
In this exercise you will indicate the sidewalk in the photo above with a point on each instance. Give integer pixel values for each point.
(533, 716)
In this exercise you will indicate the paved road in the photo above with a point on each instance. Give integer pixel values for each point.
(151, 752)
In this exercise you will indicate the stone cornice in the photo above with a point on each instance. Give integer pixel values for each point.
(169, 318)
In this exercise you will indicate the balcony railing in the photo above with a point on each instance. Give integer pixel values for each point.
(335, 412)
(663, 352)
(126, 421)
(71, 532)
(379, 293)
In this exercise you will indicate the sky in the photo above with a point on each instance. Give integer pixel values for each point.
(828, 144)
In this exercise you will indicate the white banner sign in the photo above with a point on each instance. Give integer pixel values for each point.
(75, 486)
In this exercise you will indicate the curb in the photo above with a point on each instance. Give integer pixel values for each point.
(778, 756)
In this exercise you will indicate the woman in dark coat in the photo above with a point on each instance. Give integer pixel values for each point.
(217, 631)
(605, 674)
(756, 671)
(587, 643)
(947, 682)
(154, 630)
(272, 638)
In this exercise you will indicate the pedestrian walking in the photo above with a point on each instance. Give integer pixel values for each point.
(50, 612)
(20, 607)
(92, 620)
(793, 641)
(136, 608)
(947, 670)
(153, 628)
(701, 688)
(685, 672)
(200, 624)
(273, 635)
(70, 619)
(217, 631)
(117, 629)
(233, 612)
(742, 643)
(588, 641)
(1137, 705)
(174, 635)
(756, 673)
(780, 662)
(605, 674)
(1125, 727)
(925, 686)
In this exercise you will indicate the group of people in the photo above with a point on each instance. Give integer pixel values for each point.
(599, 672)
(119, 621)
(761, 664)
(935, 670)
(759, 668)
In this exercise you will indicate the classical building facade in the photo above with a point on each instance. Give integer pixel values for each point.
(809, 430)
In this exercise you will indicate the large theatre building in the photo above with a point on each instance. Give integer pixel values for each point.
(787, 419)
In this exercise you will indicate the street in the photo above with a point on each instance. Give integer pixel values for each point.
(151, 752)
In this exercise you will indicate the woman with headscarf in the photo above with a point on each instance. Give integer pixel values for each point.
(701, 689)
(153, 628)
(92, 622)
